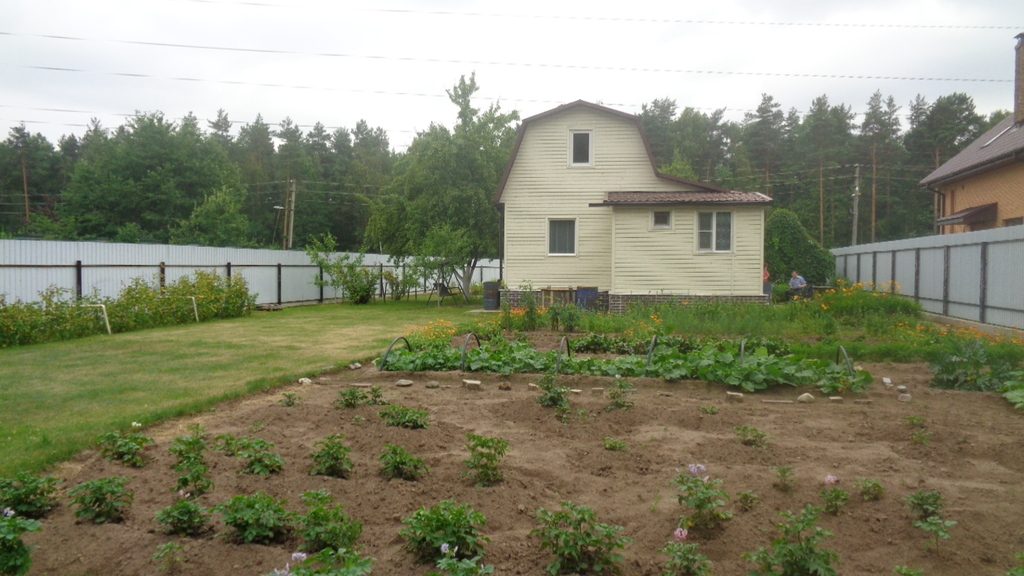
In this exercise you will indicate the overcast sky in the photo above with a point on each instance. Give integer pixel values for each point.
(391, 61)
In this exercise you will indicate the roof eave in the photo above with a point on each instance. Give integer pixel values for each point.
(992, 164)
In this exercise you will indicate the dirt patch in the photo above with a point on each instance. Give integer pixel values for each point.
(975, 460)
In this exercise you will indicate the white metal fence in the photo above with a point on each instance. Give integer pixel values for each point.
(975, 276)
(28, 267)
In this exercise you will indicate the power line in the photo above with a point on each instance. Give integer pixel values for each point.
(419, 60)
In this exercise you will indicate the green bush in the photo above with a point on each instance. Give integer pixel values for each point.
(404, 417)
(184, 517)
(332, 458)
(29, 496)
(796, 551)
(125, 448)
(15, 558)
(397, 463)
(102, 500)
(325, 527)
(447, 522)
(579, 543)
(788, 247)
(256, 519)
(485, 454)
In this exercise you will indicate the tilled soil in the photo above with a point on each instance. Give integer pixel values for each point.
(975, 459)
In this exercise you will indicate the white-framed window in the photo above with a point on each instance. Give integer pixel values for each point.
(581, 148)
(661, 220)
(562, 237)
(714, 231)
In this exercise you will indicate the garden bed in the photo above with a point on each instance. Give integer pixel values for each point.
(973, 457)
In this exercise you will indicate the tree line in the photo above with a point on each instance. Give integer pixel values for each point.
(154, 180)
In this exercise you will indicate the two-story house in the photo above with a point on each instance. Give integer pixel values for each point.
(584, 206)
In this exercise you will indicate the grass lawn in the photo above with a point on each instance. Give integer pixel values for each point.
(56, 398)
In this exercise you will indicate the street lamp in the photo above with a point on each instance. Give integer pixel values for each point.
(277, 210)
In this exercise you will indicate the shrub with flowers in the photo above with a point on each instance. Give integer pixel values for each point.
(15, 558)
(436, 334)
(835, 498)
(683, 559)
(702, 494)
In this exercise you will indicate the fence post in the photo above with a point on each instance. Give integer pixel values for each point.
(983, 296)
(945, 281)
(857, 280)
(321, 284)
(78, 279)
(380, 276)
(229, 270)
(892, 273)
(917, 274)
(874, 271)
(278, 283)
(163, 276)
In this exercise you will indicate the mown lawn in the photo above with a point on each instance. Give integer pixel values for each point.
(56, 398)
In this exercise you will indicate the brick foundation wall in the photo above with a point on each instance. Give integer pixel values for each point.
(515, 298)
(619, 303)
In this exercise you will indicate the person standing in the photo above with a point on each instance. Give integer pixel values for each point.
(767, 281)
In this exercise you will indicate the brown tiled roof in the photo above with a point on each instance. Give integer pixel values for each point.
(985, 213)
(1002, 144)
(644, 198)
(582, 103)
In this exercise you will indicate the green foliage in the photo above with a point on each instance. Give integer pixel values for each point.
(170, 555)
(1014, 394)
(620, 394)
(750, 436)
(342, 271)
(554, 396)
(29, 495)
(784, 479)
(788, 247)
(125, 448)
(906, 571)
(965, 365)
(564, 317)
(332, 458)
(484, 456)
(835, 499)
(189, 450)
(325, 527)
(746, 500)
(704, 497)
(288, 400)
(216, 221)
(462, 566)
(195, 480)
(580, 543)
(256, 519)
(615, 445)
(397, 463)
(15, 556)
(330, 562)
(936, 528)
(709, 410)
(796, 552)
(101, 501)
(350, 398)
(404, 417)
(870, 489)
(924, 503)
(920, 436)
(447, 522)
(259, 459)
(683, 560)
(375, 397)
(914, 420)
(528, 301)
(184, 517)
(1019, 570)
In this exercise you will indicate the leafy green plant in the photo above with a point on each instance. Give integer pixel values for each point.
(461, 566)
(332, 458)
(869, 489)
(102, 500)
(921, 436)
(259, 459)
(835, 499)
(936, 527)
(327, 562)
(796, 551)
(185, 517)
(289, 399)
(484, 456)
(195, 481)
(256, 519)
(750, 436)
(375, 397)
(125, 448)
(784, 478)
(342, 272)
(906, 571)
(924, 503)
(169, 555)
(15, 556)
(701, 494)
(553, 396)
(710, 410)
(397, 463)
(580, 543)
(227, 444)
(1019, 570)
(615, 445)
(747, 500)
(683, 560)
(326, 527)
(965, 365)
(29, 495)
(350, 398)
(403, 417)
(914, 421)
(620, 394)
(189, 450)
(446, 523)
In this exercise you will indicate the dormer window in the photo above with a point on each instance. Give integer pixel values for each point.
(581, 148)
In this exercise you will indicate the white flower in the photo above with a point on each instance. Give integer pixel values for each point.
(8, 513)
(298, 557)
(136, 425)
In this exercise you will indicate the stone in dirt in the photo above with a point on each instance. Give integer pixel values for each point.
(532, 385)
(901, 388)
(361, 385)
(504, 386)
(468, 382)
(835, 398)
(403, 383)
(472, 385)
(355, 366)
(734, 396)
(668, 394)
(597, 391)
(432, 384)
(305, 381)
(887, 381)
(576, 391)
(776, 401)
(904, 398)
(805, 398)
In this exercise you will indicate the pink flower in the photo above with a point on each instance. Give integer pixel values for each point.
(680, 534)
(830, 480)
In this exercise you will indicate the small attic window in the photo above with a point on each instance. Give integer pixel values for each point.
(581, 150)
(662, 220)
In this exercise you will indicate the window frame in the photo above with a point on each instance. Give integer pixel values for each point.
(575, 236)
(654, 220)
(572, 147)
(714, 232)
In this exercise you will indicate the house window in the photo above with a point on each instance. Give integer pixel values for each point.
(1013, 222)
(662, 220)
(581, 148)
(562, 237)
(714, 231)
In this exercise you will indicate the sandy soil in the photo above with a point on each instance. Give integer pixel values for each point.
(975, 460)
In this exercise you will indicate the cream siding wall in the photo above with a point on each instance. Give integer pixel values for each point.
(648, 261)
(541, 186)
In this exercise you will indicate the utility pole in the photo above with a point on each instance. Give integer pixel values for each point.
(24, 184)
(291, 217)
(856, 201)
